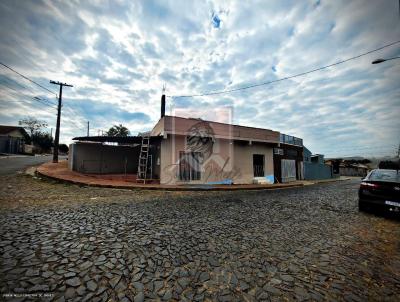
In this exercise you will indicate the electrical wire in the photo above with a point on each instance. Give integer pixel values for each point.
(37, 99)
(26, 78)
(12, 81)
(77, 114)
(284, 78)
(40, 100)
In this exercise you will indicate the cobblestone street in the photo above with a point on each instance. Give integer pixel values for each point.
(95, 244)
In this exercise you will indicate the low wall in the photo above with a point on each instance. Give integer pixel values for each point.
(103, 159)
(353, 171)
(317, 171)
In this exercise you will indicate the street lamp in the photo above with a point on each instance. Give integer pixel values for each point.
(377, 61)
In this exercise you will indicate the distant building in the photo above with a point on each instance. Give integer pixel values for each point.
(353, 170)
(345, 168)
(315, 168)
(12, 139)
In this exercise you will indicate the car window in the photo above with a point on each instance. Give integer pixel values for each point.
(385, 175)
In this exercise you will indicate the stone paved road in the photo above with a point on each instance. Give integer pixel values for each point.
(94, 244)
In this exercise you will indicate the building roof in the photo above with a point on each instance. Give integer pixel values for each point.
(190, 126)
(114, 139)
(4, 129)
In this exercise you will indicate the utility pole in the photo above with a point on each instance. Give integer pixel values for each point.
(87, 128)
(51, 132)
(57, 138)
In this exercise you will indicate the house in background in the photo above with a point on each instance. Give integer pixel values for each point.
(288, 159)
(353, 170)
(346, 168)
(315, 168)
(12, 139)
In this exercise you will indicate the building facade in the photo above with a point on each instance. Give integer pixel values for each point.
(288, 159)
(184, 151)
(12, 139)
(203, 152)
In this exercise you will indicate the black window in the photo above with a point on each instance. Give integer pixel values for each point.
(258, 165)
(189, 166)
(292, 153)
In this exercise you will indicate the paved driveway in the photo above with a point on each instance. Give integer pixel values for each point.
(95, 244)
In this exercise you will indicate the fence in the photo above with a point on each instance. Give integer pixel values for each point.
(317, 171)
(288, 170)
(103, 159)
(292, 140)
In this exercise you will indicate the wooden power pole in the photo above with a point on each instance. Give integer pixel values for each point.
(57, 137)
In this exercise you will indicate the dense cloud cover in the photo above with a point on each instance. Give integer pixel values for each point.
(118, 55)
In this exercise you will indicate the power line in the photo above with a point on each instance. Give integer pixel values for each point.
(13, 82)
(27, 103)
(37, 99)
(26, 78)
(80, 120)
(285, 78)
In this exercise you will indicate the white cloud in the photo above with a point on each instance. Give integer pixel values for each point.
(118, 55)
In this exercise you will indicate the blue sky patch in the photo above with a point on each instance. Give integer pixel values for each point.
(216, 21)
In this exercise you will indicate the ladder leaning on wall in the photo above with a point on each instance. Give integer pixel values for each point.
(143, 159)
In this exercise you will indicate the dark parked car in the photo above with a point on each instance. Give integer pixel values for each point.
(380, 188)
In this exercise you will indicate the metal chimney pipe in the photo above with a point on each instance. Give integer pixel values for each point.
(162, 105)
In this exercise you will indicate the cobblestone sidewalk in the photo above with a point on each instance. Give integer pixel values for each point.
(92, 244)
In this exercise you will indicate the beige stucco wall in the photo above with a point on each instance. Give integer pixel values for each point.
(229, 160)
(244, 160)
(16, 133)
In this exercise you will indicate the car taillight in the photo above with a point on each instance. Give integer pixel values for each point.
(368, 185)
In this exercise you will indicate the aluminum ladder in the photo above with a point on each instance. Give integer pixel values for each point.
(143, 159)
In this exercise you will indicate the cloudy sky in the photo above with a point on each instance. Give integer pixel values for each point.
(119, 54)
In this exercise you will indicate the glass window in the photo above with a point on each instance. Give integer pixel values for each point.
(189, 166)
(385, 175)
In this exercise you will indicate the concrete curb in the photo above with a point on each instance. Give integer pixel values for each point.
(172, 188)
(181, 188)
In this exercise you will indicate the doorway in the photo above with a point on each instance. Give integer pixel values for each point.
(258, 165)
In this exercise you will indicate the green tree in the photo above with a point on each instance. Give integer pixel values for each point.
(43, 140)
(63, 148)
(387, 164)
(32, 124)
(118, 130)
